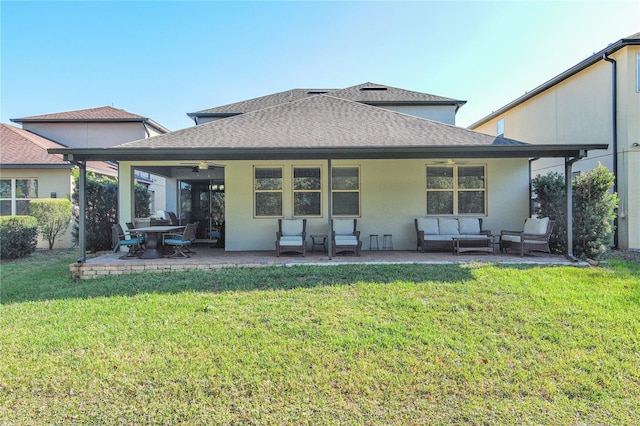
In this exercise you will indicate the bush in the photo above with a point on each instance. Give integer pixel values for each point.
(102, 209)
(53, 215)
(593, 210)
(18, 236)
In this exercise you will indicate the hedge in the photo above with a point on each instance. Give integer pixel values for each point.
(18, 236)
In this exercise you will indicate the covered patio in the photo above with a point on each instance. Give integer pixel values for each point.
(208, 259)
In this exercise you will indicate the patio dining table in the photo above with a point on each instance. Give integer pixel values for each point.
(154, 240)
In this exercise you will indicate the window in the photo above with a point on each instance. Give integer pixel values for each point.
(345, 191)
(16, 194)
(307, 191)
(267, 191)
(501, 127)
(456, 190)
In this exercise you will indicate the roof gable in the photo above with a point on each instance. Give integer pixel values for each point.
(320, 121)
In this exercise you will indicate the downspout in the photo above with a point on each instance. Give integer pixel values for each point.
(568, 163)
(614, 130)
(144, 126)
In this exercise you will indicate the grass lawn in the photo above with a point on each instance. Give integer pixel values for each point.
(353, 344)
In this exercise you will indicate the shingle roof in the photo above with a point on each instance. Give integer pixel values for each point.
(320, 121)
(21, 147)
(101, 114)
(370, 93)
(105, 113)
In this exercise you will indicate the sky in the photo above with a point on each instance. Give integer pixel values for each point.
(163, 59)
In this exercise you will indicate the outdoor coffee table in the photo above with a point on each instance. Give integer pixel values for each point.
(154, 240)
(478, 244)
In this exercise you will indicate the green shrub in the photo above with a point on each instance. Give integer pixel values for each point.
(18, 236)
(53, 215)
(102, 209)
(593, 210)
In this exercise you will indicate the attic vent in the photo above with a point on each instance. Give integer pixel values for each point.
(373, 89)
(316, 92)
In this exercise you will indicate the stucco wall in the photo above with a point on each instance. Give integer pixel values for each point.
(88, 135)
(392, 195)
(49, 180)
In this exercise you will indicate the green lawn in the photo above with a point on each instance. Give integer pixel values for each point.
(399, 344)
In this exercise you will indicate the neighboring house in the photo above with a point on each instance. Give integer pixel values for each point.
(597, 101)
(364, 152)
(100, 128)
(28, 172)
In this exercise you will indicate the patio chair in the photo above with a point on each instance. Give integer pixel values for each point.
(140, 235)
(345, 237)
(182, 242)
(534, 237)
(119, 239)
(291, 236)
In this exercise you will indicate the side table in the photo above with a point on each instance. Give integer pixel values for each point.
(315, 241)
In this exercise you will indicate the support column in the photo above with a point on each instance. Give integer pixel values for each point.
(330, 209)
(569, 195)
(82, 220)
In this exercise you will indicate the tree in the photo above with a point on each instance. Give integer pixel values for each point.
(53, 215)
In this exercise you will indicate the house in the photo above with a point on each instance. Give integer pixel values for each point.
(100, 128)
(597, 101)
(28, 171)
(364, 152)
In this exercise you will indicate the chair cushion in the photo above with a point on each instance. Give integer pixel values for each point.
(469, 225)
(346, 240)
(448, 226)
(343, 226)
(536, 226)
(292, 227)
(177, 242)
(291, 241)
(511, 238)
(429, 225)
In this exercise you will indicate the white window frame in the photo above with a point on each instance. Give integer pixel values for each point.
(456, 190)
(358, 191)
(13, 199)
(299, 191)
(264, 191)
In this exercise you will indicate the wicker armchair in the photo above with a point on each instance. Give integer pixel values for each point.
(345, 237)
(534, 237)
(291, 236)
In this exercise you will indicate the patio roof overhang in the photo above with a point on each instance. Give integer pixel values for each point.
(182, 154)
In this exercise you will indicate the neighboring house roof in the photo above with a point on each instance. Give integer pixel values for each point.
(23, 149)
(323, 127)
(91, 115)
(632, 40)
(368, 93)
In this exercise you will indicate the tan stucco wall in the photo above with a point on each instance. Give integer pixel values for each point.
(88, 135)
(392, 195)
(49, 180)
(579, 110)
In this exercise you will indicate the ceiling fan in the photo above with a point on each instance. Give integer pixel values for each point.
(200, 165)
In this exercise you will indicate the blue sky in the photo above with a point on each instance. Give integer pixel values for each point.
(164, 59)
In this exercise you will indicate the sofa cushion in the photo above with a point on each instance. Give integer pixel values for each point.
(343, 226)
(429, 225)
(536, 226)
(292, 227)
(469, 225)
(448, 226)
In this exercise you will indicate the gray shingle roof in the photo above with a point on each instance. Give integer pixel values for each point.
(101, 114)
(321, 121)
(370, 93)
